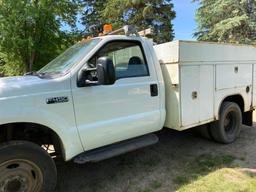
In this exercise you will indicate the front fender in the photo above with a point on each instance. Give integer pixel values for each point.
(59, 119)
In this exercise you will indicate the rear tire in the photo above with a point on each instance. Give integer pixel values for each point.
(228, 127)
(25, 166)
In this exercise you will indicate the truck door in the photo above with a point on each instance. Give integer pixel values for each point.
(129, 108)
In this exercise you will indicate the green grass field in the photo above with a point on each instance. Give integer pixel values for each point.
(209, 173)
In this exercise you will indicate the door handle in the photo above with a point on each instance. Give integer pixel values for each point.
(154, 90)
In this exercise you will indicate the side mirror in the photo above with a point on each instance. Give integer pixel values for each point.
(105, 71)
(103, 74)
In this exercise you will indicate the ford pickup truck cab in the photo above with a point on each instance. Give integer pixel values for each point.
(129, 107)
(105, 96)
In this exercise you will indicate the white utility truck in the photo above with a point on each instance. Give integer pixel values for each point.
(107, 95)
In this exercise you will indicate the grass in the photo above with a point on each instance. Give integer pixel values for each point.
(181, 180)
(201, 166)
(154, 185)
(146, 190)
(225, 179)
(209, 173)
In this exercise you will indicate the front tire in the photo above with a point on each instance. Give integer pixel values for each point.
(25, 166)
(228, 127)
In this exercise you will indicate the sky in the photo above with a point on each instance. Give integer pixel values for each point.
(184, 23)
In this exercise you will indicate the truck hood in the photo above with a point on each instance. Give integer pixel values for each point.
(25, 85)
(19, 80)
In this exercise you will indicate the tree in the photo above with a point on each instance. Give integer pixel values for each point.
(92, 13)
(227, 21)
(30, 30)
(157, 14)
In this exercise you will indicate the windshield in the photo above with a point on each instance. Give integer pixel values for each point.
(70, 57)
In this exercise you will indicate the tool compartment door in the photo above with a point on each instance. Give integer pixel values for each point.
(197, 94)
(233, 76)
(189, 93)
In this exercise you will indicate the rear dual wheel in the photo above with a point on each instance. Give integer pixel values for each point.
(26, 167)
(228, 127)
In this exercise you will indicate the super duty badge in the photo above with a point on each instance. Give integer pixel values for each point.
(55, 100)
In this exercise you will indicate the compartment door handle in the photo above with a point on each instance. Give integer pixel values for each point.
(154, 90)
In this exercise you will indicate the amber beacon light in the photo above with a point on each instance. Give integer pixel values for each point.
(107, 29)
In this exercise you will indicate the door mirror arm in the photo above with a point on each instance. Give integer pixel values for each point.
(85, 77)
(91, 83)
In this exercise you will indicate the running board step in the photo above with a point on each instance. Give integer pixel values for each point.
(116, 149)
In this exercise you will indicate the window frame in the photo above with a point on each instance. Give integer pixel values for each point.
(136, 42)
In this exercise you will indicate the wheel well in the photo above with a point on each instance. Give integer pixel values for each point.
(36, 133)
(238, 99)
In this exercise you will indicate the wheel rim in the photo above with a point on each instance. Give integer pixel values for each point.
(229, 123)
(20, 176)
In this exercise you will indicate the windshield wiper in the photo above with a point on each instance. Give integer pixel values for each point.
(30, 73)
(45, 75)
(34, 73)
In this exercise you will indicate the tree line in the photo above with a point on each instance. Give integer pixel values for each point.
(33, 32)
(229, 21)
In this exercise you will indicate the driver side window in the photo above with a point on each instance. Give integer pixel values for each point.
(127, 57)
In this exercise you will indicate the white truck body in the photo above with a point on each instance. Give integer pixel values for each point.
(106, 96)
(192, 81)
(198, 76)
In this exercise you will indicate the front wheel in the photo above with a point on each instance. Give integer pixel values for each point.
(228, 127)
(25, 166)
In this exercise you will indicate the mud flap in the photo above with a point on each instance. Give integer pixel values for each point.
(248, 118)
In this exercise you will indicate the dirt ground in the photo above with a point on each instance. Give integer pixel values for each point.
(154, 168)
